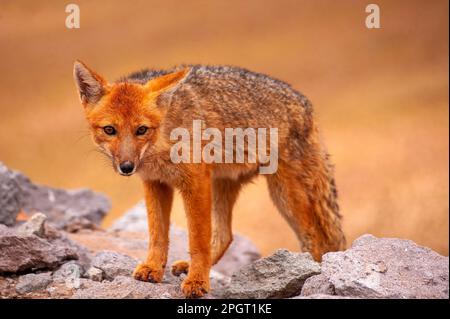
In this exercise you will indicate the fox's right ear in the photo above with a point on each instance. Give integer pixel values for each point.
(91, 86)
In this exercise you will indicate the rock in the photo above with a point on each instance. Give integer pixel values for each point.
(114, 264)
(241, 251)
(386, 268)
(76, 224)
(59, 237)
(278, 276)
(10, 197)
(8, 288)
(62, 207)
(60, 290)
(318, 284)
(68, 272)
(34, 226)
(133, 220)
(21, 253)
(125, 287)
(32, 282)
(322, 296)
(94, 274)
(218, 283)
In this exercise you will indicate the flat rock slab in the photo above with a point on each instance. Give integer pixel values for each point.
(125, 287)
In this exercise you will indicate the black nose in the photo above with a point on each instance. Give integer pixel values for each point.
(126, 167)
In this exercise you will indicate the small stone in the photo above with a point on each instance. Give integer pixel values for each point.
(94, 274)
(51, 290)
(318, 284)
(32, 282)
(34, 226)
(68, 272)
(166, 295)
(114, 264)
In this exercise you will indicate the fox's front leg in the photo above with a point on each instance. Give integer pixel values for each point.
(158, 198)
(197, 201)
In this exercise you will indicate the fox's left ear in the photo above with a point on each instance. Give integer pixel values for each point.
(91, 86)
(165, 85)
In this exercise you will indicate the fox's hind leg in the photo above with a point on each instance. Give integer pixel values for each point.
(224, 195)
(306, 198)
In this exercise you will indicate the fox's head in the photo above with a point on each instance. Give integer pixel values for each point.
(125, 117)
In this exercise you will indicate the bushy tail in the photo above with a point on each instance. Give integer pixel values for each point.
(305, 195)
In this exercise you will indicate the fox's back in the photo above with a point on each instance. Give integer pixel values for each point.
(228, 96)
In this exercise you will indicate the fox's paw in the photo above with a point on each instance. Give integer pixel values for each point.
(180, 267)
(145, 272)
(194, 288)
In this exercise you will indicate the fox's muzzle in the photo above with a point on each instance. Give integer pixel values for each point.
(126, 157)
(127, 168)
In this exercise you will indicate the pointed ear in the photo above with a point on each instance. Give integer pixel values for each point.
(166, 85)
(91, 86)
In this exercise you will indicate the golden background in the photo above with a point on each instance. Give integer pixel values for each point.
(381, 97)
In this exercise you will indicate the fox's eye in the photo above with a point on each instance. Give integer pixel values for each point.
(109, 130)
(141, 130)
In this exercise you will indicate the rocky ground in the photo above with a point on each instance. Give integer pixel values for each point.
(51, 246)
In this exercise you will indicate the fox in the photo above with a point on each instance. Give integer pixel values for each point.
(131, 120)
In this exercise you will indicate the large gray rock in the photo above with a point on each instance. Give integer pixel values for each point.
(10, 197)
(278, 276)
(125, 287)
(32, 282)
(114, 264)
(241, 251)
(63, 208)
(384, 268)
(28, 252)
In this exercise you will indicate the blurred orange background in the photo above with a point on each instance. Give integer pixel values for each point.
(381, 97)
